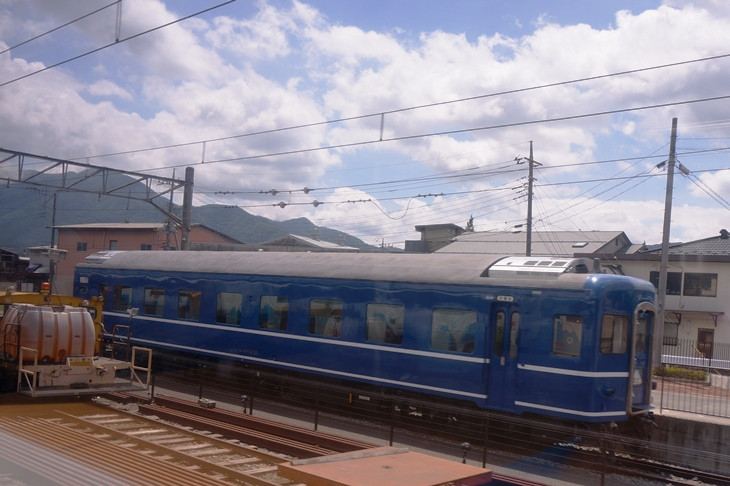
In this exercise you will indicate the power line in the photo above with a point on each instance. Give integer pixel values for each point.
(59, 27)
(116, 41)
(411, 108)
(448, 132)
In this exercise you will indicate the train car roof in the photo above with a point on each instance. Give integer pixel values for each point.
(429, 267)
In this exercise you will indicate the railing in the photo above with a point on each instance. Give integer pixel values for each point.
(695, 378)
(26, 376)
(144, 356)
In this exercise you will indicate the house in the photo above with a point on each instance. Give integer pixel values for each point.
(433, 237)
(81, 240)
(697, 303)
(543, 243)
(13, 269)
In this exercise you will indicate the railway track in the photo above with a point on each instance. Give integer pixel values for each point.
(135, 450)
(285, 439)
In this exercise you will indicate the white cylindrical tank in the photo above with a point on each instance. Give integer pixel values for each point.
(55, 332)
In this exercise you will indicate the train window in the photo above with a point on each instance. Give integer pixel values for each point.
(122, 299)
(499, 323)
(384, 323)
(188, 304)
(154, 301)
(614, 334)
(103, 289)
(228, 308)
(274, 312)
(325, 317)
(567, 335)
(453, 330)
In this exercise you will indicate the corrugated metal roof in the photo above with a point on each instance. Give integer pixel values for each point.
(304, 241)
(112, 226)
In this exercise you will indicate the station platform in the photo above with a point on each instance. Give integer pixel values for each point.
(384, 466)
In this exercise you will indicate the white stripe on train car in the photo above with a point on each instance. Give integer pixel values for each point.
(297, 337)
(569, 372)
(570, 411)
(280, 363)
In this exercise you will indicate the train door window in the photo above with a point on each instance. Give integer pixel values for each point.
(641, 335)
(325, 317)
(103, 289)
(453, 330)
(228, 308)
(273, 312)
(499, 322)
(384, 323)
(567, 335)
(188, 304)
(122, 299)
(614, 334)
(514, 333)
(154, 301)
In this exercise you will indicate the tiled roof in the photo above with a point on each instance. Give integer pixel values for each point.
(717, 245)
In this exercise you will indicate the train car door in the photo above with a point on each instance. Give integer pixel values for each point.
(503, 353)
(641, 358)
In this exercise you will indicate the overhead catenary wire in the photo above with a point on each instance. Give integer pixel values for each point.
(381, 114)
(116, 41)
(70, 22)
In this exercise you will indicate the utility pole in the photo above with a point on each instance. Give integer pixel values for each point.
(664, 262)
(528, 244)
(187, 208)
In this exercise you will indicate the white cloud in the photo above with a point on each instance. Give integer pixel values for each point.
(108, 88)
(225, 75)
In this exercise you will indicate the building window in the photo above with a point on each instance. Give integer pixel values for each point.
(274, 312)
(113, 244)
(384, 323)
(674, 282)
(671, 333)
(700, 284)
(145, 247)
(81, 246)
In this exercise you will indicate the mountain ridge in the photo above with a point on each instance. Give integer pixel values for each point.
(29, 212)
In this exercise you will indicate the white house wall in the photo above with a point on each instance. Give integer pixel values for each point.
(697, 312)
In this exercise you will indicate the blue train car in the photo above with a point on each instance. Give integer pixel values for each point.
(515, 334)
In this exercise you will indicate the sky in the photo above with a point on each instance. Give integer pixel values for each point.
(374, 117)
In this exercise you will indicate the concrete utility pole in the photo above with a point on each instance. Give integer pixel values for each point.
(528, 244)
(664, 262)
(187, 209)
